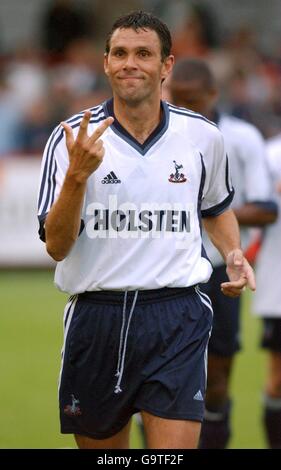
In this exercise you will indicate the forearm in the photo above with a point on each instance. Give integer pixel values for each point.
(64, 219)
(223, 231)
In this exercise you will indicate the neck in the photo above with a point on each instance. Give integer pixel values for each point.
(212, 115)
(139, 119)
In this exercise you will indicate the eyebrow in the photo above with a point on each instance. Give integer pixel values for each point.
(137, 48)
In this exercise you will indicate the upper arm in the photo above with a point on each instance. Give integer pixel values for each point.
(218, 191)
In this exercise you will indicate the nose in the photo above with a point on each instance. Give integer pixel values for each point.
(130, 62)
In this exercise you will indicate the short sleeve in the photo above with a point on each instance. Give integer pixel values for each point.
(273, 154)
(257, 179)
(53, 169)
(218, 191)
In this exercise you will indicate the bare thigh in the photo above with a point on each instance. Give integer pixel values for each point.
(120, 440)
(162, 433)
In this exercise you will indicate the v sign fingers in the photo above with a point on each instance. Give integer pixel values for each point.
(85, 153)
(69, 139)
(82, 135)
(100, 130)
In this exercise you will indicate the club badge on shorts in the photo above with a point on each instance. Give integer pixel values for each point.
(73, 409)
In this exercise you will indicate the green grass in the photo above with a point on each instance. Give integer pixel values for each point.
(247, 385)
(31, 312)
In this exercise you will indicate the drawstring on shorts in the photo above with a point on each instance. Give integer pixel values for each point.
(121, 354)
(146, 296)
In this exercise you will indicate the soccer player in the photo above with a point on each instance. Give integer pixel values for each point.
(123, 189)
(192, 85)
(267, 304)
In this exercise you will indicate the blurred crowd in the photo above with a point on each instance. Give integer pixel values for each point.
(44, 83)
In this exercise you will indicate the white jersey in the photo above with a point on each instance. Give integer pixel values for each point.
(143, 205)
(266, 301)
(245, 149)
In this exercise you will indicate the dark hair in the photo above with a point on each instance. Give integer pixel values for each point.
(143, 20)
(193, 69)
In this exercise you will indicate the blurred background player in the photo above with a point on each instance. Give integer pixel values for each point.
(192, 85)
(267, 304)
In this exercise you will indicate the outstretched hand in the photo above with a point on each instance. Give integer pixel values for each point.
(240, 273)
(85, 152)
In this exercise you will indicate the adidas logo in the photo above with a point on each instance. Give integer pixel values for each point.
(198, 396)
(111, 178)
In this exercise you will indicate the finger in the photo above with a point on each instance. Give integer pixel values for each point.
(233, 288)
(100, 154)
(98, 144)
(83, 128)
(69, 139)
(239, 284)
(232, 291)
(101, 129)
(247, 279)
(96, 148)
(250, 275)
(251, 280)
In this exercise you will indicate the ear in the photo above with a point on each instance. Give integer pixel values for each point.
(167, 67)
(105, 63)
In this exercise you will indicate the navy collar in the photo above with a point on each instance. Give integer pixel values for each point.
(125, 135)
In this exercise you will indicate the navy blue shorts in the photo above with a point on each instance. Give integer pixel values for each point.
(271, 335)
(225, 337)
(117, 361)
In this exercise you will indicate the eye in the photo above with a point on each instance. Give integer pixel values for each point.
(144, 53)
(118, 52)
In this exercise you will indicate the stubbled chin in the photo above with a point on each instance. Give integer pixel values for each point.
(131, 94)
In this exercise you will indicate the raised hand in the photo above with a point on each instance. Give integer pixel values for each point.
(240, 274)
(85, 152)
